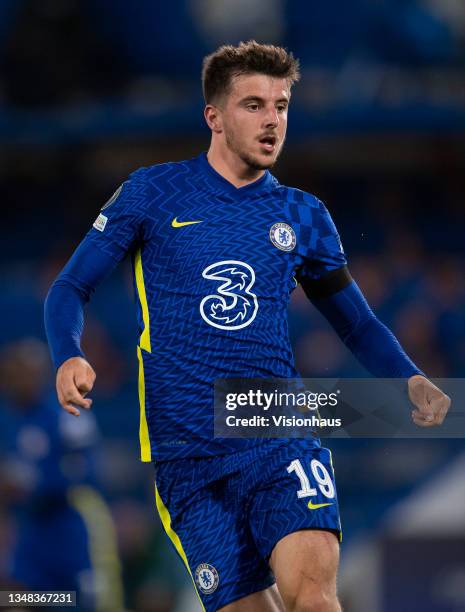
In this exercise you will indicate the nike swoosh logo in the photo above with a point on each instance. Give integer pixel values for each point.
(176, 223)
(312, 506)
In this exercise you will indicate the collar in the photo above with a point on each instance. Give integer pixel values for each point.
(261, 184)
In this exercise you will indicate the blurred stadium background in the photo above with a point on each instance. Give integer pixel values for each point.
(91, 90)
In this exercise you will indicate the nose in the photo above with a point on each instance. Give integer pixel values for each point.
(272, 118)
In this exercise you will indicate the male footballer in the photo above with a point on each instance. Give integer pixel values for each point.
(217, 243)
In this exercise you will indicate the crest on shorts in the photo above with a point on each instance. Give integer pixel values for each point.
(283, 236)
(206, 578)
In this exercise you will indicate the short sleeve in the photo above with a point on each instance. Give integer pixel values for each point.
(120, 223)
(323, 252)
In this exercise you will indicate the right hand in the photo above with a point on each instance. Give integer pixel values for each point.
(75, 378)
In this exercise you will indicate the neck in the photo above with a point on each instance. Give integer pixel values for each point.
(231, 167)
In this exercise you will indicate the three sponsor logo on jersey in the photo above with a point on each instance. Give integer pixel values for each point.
(234, 305)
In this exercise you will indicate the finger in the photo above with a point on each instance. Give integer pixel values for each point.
(83, 386)
(426, 407)
(84, 381)
(419, 420)
(74, 400)
(441, 408)
(71, 409)
(71, 395)
(423, 424)
(427, 419)
(66, 406)
(443, 401)
(426, 413)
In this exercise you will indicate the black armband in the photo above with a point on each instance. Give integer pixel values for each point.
(327, 285)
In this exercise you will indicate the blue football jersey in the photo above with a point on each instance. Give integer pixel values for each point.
(214, 266)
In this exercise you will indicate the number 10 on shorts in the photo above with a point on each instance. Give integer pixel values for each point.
(320, 474)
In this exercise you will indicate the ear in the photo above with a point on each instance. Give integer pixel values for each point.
(213, 118)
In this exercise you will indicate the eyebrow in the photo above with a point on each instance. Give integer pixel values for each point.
(259, 99)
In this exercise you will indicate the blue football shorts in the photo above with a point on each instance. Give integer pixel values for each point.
(225, 514)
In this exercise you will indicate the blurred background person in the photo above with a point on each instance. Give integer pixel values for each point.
(64, 534)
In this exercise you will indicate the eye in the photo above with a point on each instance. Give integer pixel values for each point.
(281, 108)
(252, 107)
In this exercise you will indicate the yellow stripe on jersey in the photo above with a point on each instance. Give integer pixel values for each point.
(173, 536)
(144, 343)
(144, 340)
(102, 547)
(145, 450)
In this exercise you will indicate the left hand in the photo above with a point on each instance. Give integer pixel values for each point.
(431, 403)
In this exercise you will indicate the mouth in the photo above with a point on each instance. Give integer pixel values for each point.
(268, 142)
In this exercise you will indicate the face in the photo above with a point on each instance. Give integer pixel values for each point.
(254, 119)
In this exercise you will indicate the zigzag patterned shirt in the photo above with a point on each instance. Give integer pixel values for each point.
(214, 266)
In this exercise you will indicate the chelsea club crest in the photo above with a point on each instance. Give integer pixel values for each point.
(206, 578)
(283, 236)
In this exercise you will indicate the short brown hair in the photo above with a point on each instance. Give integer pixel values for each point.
(221, 66)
